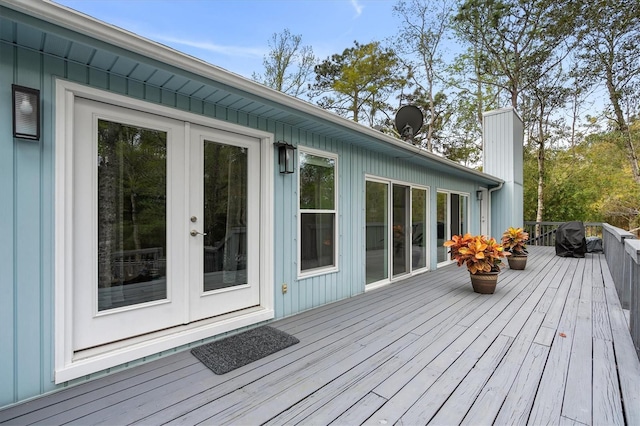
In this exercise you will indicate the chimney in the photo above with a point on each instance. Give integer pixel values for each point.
(503, 139)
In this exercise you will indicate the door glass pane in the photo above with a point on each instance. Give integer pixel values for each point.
(418, 218)
(464, 228)
(377, 234)
(400, 234)
(225, 216)
(443, 225)
(132, 215)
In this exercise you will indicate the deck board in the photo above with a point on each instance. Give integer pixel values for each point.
(551, 346)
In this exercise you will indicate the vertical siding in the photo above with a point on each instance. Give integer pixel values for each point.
(7, 232)
(503, 158)
(27, 214)
(28, 244)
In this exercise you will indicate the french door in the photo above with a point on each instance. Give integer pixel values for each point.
(224, 217)
(166, 224)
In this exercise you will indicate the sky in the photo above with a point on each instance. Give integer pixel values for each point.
(234, 34)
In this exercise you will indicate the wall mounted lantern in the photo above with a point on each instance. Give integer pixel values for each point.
(26, 112)
(479, 195)
(286, 153)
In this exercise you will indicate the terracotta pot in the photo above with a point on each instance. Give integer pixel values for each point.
(517, 261)
(484, 283)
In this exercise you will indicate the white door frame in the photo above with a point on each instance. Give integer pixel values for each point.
(485, 214)
(69, 364)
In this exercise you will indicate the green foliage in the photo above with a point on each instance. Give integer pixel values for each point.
(591, 182)
(357, 83)
(317, 182)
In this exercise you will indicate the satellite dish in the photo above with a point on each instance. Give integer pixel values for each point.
(409, 120)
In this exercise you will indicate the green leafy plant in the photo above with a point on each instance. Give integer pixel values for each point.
(479, 253)
(514, 241)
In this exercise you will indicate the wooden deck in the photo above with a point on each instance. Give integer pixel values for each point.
(551, 346)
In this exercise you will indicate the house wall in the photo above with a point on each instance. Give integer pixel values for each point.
(27, 215)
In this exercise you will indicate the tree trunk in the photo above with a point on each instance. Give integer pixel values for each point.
(107, 203)
(540, 209)
(621, 123)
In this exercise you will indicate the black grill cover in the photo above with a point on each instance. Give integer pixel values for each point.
(570, 240)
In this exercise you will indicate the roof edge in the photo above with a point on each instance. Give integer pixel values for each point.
(71, 19)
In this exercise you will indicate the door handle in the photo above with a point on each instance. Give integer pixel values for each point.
(195, 233)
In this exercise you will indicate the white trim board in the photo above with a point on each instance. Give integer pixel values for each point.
(69, 365)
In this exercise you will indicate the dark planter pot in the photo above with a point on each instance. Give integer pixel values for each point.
(517, 261)
(484, 283)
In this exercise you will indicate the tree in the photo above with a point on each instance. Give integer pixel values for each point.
(589, 182)
(518, 40)
(472, 98)
(358, 82)
(609, 53)
(522, 44)
(425, 24)
(288, 66)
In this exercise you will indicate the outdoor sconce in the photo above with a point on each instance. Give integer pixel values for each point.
(286, 153)
(26, 112)
(479, 195)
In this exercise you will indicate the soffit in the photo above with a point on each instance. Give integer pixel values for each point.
(105, 48)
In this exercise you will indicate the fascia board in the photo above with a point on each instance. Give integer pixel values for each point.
(65, 17)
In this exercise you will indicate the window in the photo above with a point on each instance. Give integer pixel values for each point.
(317, 211)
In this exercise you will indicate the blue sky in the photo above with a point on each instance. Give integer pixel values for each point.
(234, 34)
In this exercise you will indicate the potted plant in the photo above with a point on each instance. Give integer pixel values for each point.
(482, 256)
(514, 241)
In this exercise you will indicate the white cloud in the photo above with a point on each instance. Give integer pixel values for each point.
(357, 6)
(214, 48)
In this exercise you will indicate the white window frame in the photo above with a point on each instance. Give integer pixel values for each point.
(302, 274)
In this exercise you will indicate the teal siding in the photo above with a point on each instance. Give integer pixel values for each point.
(7, 234)
(27, 211)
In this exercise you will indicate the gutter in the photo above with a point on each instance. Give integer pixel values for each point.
(73, 20)
(496, 188)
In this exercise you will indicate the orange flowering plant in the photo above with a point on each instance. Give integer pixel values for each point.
(514, 240)
(479, 253)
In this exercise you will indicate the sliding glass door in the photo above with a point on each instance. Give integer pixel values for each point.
(395, 221)
(418, 227)
(377, 231)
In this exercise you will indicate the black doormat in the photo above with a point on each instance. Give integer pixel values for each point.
(241, 349)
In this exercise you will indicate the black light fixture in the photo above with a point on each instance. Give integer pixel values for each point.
(479, 195)
(286, 153)
(26, 112)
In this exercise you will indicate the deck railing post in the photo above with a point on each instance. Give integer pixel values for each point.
(632, 256)
(614, 251)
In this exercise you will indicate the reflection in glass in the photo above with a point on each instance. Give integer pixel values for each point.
(317, 211)
(400, 234)
(225, 215)
(443, 225)
(418, 218)
(132, 215)
(377, 243)
(463, 214)
(317, 231)
(317, 182)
